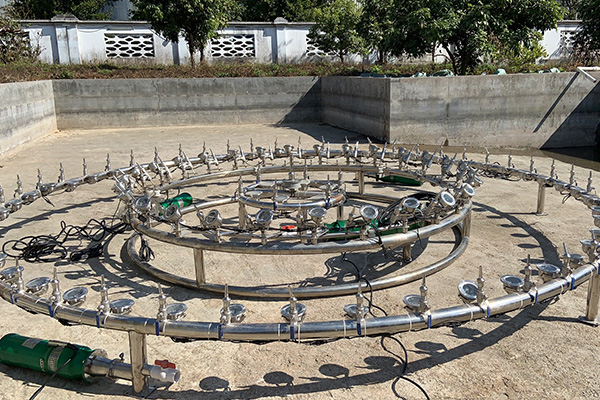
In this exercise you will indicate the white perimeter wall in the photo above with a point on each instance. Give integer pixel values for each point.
(74, 42)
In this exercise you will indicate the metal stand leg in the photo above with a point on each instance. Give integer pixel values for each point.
(340, 213)
(242, 214)
(361, 183)
(199, 264)
(137, 350)
(407, 252)
(541, 200)
(466, 225)
(591, 314)
(407, 248)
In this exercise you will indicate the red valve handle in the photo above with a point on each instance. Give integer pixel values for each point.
(164, 364)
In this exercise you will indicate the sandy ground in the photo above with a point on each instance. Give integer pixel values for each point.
(538, 352)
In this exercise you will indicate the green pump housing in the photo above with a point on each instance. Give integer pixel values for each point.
(182, 200)
(45, 356)
(399, 180)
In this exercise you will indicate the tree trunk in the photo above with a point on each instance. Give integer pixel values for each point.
(192, 51)
(465, 62)
(452, 59)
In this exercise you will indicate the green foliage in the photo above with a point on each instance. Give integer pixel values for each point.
(196, 20)
(46, 9)
(469, 30)
(257, 71)
(64, 75)
(414, 28)
(521, 58)
(28, 71)
(336, 28)
(375, 25)
(376, 69)
(571, 8)
(268, 10)
(15, 46)
(587, 41)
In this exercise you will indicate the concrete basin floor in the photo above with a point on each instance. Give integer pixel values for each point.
(541, 352)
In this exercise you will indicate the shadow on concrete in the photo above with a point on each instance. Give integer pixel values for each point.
(380, 369)
(52, 212)
(328, 133)
(307, 108)
(582, 126)
(584, 157)
(556, 102)
(548, 249)
(306, 116)
(369, 265)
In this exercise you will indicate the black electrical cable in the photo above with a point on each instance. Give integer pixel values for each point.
(75, 351)
(47, 200)
(344, 258)
(52, 248)
(419, 240)
(359, 277)
(43, 248)
(404, 360)
(386, 213)
(499, 175)
(206, 229)
(319, 342)
(370, 299)
(146, 253)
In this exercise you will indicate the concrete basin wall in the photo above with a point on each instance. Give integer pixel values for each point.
(26, 112)
(357, 104)
(529, 110)
(166, 102)
(524, 110)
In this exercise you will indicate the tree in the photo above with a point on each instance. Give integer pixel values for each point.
(470, 30)
(38, 9)
(268, 10)
(413, 31)
(520, 59)
(336, 28)
(196, 20)
(571, 8)
(14, 44)
(587, 41)
(375, 26)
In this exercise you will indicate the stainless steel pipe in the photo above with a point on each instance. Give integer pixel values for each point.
(300, 292)
(307, 330)
(389, 241)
